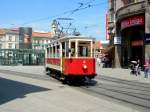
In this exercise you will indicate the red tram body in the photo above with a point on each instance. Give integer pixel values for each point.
(71, 58)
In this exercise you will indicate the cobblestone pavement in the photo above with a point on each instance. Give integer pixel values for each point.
(23, 94)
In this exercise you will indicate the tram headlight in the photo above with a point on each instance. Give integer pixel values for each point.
(84, 66)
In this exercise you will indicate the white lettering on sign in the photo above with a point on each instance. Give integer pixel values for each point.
(133, 21)
(117, 40)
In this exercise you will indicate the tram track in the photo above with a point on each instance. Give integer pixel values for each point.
(125, 82)
(29, 75)
(122, 90)
(133, 93)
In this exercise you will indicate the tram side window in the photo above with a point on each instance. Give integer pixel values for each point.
(47, 50)
(72, 49)
(51, 52)
(67, 49)
(54, 53)
(58, 51)
(63, 49)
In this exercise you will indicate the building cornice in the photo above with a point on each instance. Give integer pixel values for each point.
(131, 9)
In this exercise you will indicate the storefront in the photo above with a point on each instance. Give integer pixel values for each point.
(132, 37)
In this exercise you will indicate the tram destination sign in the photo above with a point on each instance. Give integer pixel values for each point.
(132, 21)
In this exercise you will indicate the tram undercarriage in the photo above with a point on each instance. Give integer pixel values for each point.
(69, 78)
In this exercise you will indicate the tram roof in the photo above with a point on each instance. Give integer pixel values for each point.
(71, 37)
(76, 37)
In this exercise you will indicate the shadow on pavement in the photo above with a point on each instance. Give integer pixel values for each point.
(87, 83)
(10, 90)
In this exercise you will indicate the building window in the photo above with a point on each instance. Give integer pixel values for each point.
(10, 38)
(16, 39)
(33, 41)
(42, 41)
(1, 38)
(16, 46)
(0, 46)
(9, 45)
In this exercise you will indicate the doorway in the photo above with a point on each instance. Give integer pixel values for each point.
(132, 45)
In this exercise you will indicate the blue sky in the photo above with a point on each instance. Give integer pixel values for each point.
(40, 13)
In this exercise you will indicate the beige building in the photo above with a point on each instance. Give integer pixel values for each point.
(129, 30)
(9, 39)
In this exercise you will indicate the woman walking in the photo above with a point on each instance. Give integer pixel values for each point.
(146, 70)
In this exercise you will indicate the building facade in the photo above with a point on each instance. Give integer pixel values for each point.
(40, 40)
(16, 47)
(9, 39)
(129, 30)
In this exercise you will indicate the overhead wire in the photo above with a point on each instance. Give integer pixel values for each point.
(70, 12)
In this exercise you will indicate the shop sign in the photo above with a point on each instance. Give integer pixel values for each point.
(107, 35)
(117, 40)
(137, 43)
(132, 21)
(147, 37)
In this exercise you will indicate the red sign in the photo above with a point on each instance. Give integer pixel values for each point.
(107, 35)
(132, 21)
(137, 43)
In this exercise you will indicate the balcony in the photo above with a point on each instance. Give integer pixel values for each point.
(131, 9)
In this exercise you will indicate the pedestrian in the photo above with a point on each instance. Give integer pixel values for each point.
(137, 68)
(146, 69)
(98, 61)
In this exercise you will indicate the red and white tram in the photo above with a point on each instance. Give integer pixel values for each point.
(71, 58)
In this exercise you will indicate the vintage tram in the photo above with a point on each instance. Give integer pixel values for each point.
(71, 58)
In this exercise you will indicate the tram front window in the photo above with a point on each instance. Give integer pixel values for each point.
(84, 49)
